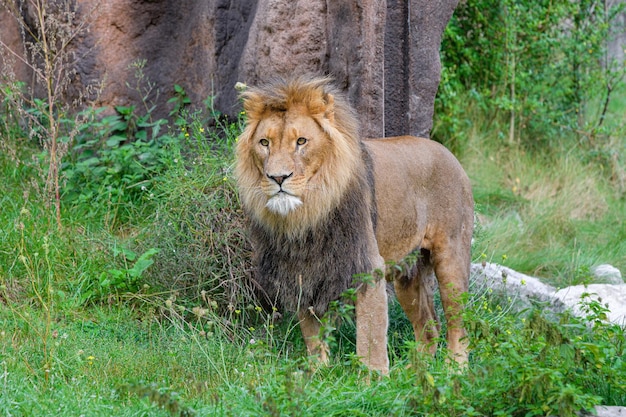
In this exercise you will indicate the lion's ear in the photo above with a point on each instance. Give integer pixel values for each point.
(329, 111)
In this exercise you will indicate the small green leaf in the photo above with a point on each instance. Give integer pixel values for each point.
(114, 141)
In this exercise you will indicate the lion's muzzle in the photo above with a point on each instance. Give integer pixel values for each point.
(283, 203)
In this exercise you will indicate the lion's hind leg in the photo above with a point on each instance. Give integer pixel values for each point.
(414, 290)
(452, 269)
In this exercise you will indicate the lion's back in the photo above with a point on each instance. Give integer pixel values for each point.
(420, 188)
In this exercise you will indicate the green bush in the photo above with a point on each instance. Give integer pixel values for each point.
(115, 159)
(530, 364)
(540, 67)
(197, 221)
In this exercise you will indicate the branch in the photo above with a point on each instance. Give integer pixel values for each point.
(22, 59)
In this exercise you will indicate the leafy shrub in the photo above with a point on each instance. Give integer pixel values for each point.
(115, 159)
(540, 67)
(127, 279)
(529, 364)
(197, 222)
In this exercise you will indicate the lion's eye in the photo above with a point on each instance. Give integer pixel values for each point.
(264, 142)
(301, 141)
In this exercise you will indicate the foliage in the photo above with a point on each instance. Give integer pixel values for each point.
(127, 278)
(179, 102)
(143, 304)
(197, 220)
(95, 327)
(161, 397)
(537, 66)
(157, 357)
(554, 215)
(48, 29)
(115, 160)
(549, 366)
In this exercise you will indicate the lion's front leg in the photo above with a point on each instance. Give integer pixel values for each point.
(371, 326)
(310, 328)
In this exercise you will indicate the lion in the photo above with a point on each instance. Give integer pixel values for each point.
(324, 205)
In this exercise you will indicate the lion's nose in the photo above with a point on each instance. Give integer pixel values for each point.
(279, 179)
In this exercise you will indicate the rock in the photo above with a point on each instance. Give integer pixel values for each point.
(412, 64)
(11, 36)
(385, 54)
(607, 274)
(609, 295)
(524, 289)
(608, 411)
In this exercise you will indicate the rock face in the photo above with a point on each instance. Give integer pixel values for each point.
(616, 47)
(385, 54)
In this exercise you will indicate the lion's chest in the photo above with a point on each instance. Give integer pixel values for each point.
(317, 267)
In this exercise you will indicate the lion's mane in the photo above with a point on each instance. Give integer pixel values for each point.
(308, 258)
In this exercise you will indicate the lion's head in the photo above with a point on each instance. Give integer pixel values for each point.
(298, 153)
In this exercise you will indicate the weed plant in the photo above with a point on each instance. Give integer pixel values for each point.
(198, 222)
(116, 159)
(47, 29)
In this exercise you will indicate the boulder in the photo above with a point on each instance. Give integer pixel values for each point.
(612, 296)
(608, 411)
(608, 274)
(524, 290)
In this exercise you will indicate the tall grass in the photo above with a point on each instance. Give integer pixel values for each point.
(554, 214)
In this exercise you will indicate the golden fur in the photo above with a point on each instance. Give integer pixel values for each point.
(325, 205)
(334, 162)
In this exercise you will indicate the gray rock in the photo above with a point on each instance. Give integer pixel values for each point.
(524, 289)
(609, 411)
(607, 274)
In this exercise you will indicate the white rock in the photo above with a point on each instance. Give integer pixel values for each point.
(610, 411)
(612, 296)
(523, 288)
(607, 274)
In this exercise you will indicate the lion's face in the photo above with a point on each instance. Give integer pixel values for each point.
(288, 151)
(294, 159)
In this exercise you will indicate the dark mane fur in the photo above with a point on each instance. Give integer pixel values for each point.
(312, 271)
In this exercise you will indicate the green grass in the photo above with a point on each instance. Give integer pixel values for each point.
(183, 336)
(140, 357)
(554, 214)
